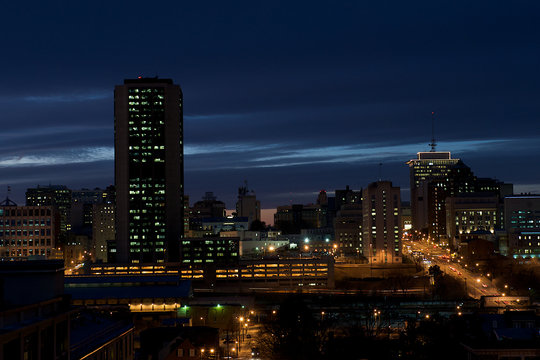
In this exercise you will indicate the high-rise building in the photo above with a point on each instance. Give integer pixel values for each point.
(433, 165)
(149, 170)
(382, 223)
(348, 229)
(102, 230)
(248, 205)
(459, 180)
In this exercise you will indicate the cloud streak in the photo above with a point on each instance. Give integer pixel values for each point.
(74, 156)
(251, 155)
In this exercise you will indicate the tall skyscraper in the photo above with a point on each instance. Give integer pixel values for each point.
(382, 223)
(428, 166)
(149, 170)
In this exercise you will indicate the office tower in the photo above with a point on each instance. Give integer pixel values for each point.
(433, 165)
(458, 180)
(58, 196)
(248, 205)
(382, 223)
(149, 170)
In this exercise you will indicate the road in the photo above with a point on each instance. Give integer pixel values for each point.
(248, 343)
(477, 285)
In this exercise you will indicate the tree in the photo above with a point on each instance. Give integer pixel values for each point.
(435, 270)
(257, 225)
(293, 334)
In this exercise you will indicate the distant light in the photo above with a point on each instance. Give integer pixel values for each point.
(139, 77)
(306, 240)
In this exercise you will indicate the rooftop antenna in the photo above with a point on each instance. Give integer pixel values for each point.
(8, 201)
(433, 143)
(380, 171)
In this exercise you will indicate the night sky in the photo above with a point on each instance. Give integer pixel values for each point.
(292, 96)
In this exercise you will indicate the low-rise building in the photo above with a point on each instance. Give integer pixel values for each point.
(207, 250)
(469, 213)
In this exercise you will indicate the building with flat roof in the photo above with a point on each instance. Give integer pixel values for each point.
(103, 230)
(382, 223)
(522, 223)
(426, 167)
(58, 196)
(149, 170)
(28, 231)
(348, 230)
(468, 213)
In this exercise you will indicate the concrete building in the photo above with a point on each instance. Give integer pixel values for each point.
(208, 206)
(248, 205)
(348, 230)
(149, 171)
(210, 250)
(382, 223)
(522, 213)
(347, 196)
(291, 219)
(468, 213)
(103, 230)
(262, 247)
(37, 321)
(522, 222)
(406, 217)
(28, 231)
(58, 196)
(244, 276)
(426, 167)
(217, 225)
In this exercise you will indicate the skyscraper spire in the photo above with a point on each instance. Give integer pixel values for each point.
(433, 143)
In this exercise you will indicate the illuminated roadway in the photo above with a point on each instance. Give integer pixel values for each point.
(477, 285)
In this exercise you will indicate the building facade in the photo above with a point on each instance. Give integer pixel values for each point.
(103, 230)
(426, 167)
(248, 205)
(470, 213)
(348, 230)
(58, 196)
(382, 223)
(149, 171)
(28, 231)
(522, 222)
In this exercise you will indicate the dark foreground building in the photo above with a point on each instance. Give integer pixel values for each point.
(37, 321)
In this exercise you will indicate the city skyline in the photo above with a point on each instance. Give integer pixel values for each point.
(292, 98)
